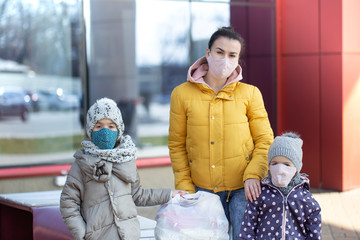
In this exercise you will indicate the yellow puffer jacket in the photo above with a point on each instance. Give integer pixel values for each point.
(217, 140)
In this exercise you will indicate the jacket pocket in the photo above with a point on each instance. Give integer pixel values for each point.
(248, 149)
(190, 156)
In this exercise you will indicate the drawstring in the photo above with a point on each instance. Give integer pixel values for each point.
(227, 200)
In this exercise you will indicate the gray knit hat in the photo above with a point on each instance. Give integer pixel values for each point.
(288, 145)
(104, 108)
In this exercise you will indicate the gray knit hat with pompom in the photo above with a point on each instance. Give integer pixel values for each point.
(288, 145)
(104, 108)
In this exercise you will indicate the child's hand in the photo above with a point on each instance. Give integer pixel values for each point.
(181, 192)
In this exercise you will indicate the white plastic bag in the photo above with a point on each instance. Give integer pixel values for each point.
(192, 217)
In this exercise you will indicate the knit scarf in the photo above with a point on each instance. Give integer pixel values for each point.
(124, 152)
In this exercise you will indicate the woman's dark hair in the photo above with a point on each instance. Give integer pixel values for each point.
(227, 32)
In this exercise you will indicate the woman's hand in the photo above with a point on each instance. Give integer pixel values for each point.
(181, 192)
(252, 189)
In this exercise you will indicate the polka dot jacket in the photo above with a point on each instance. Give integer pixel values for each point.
(274, 216)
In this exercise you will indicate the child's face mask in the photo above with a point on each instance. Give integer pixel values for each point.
(104, 138)
(281, 174)
(221, 68)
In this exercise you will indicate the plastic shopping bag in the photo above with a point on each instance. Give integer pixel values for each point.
(192, 217)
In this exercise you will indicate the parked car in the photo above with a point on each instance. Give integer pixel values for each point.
(69, 101)
(14, 102)
(47, 100)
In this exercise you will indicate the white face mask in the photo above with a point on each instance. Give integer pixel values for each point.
(281, 174)
(221, 68)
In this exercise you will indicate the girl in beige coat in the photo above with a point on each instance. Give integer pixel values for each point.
(102, 189)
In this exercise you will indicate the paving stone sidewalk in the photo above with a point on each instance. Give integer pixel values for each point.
(340, 214)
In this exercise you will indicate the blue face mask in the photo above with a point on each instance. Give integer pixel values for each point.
(104, 138)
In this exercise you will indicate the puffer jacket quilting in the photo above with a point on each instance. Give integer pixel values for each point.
(217, 140)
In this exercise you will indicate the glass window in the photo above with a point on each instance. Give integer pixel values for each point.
(169, 38)
(137, 51)
(162, 57)
(205, 19)
(40, 82)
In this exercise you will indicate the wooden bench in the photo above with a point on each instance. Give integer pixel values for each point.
(36, 215)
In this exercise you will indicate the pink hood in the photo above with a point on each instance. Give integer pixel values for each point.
(200, 68)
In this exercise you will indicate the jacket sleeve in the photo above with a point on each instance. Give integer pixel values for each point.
(149, 197)
(313, 223)
(248, 226)
(177, 144)
(70, 204)
(262, 135)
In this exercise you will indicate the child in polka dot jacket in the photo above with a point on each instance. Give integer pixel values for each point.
(285, 208)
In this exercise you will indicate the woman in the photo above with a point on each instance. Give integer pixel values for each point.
(219, 129)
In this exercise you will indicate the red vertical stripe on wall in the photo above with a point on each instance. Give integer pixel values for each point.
(319, 86)
(299, 85)
(331, 150)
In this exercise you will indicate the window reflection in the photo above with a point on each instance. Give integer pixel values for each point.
(137, 52)
(206, 19)
(162, 55)
(40, 84)
(169, 38)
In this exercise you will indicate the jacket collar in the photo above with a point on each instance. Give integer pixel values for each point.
(305, 181)
(200, 68)
(92, 166)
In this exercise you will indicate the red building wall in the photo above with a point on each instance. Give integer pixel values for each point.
(257, 26)
(318, 85)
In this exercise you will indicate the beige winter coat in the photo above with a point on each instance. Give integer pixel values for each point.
(103, 206)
